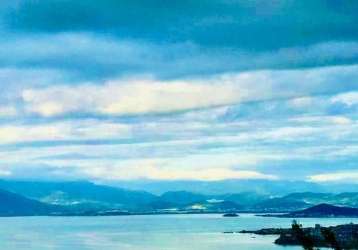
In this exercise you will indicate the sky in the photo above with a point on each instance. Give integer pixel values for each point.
(179, 90)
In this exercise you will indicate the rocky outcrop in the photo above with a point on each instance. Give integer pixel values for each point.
(337, 237)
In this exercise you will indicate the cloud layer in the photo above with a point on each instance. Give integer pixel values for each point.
(172, 90)
(141, 96)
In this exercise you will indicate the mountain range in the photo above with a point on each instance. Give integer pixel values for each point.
(264, 187)
(82, 197)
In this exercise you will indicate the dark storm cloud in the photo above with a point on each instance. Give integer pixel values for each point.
(105, 39)
(253, 25)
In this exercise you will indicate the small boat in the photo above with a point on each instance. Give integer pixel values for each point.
(231, 215)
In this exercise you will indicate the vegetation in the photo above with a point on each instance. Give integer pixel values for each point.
(335, 237)
(330, 238)
(303, 238)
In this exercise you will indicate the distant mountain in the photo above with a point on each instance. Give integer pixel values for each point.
(346, 199)
(83, 195)
(226, 206)
(16, 205)
(262, 187)
(186, 201)
(182, 197)
(162, 205)
(280, 205)
(214, 206)
(89, 197)
(325, 210)
(86, 196)
(342, 199)
(246, 199)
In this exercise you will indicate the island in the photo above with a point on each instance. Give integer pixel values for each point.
(230, 215)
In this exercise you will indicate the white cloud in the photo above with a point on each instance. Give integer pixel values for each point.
(146, 97)
(323, 120)
(341, 120)
(149, 172)
(301, 102)
(74, 130)
(155, 170)
(343, 176)
(349, 98)
(204, 166)
(7, 111)
(4, 172)
(10, 134)
(140, 96)
(133, 97)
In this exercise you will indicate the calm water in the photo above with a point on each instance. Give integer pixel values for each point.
(159, 232)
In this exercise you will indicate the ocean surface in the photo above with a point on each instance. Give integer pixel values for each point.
(148, 232)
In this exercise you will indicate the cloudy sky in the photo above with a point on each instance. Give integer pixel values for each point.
(181, 89)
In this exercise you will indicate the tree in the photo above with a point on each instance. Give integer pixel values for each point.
(304, 239)
(330, 238)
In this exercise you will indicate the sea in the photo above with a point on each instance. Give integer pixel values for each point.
(146, 232)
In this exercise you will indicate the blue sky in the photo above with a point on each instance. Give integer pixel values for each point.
(179, 90)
